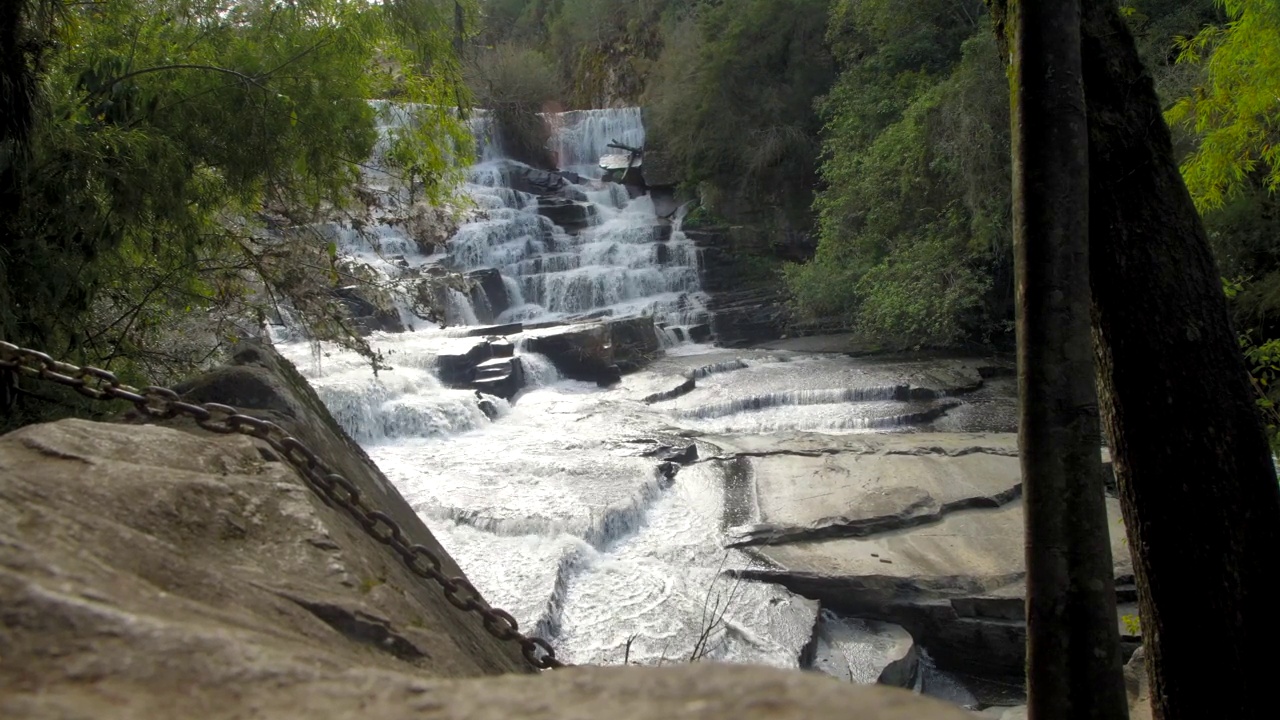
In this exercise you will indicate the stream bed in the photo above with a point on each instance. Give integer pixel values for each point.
(598, 515)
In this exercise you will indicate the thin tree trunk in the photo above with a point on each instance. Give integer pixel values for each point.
(1201, 503)
(1073, 661)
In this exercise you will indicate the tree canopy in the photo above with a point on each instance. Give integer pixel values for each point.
(160, 131)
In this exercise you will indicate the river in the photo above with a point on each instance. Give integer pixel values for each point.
(583, 509)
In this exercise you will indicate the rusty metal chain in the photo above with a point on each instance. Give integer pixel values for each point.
(162, 403)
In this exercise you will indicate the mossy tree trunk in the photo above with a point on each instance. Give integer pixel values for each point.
(1073, 661)
(1201, 503)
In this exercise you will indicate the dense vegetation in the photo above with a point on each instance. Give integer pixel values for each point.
(145, 144)
(881, 130)
(148, 144)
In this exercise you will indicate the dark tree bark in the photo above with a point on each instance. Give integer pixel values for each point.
(1201, 503)
(1073, 645)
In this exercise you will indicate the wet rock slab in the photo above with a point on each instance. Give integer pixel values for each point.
(923, 530)
(865, 486)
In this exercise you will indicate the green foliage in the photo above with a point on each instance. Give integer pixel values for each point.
(1132, 625)
(165, 128)
(1234, 111)
(1230, 114)
(914, 220)
(1264, 371)
(731, 100)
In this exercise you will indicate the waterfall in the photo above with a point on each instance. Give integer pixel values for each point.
(485, 132)
(581, 137)
(546, 500)
(567, 244)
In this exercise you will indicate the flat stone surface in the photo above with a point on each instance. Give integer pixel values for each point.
(966, 551)
(799, 490)
(925, 530)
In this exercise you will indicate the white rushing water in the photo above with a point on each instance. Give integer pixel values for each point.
(552, 507)
(556, 504)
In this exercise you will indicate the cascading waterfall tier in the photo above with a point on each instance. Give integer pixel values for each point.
(567, 244)
(579, 138)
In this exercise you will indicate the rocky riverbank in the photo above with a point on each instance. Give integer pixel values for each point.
(886, 488)
(165, 570)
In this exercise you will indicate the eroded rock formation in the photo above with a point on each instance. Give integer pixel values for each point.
(922, 530)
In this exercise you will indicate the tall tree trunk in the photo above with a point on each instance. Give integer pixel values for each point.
(1201, 502)
(1073, 660)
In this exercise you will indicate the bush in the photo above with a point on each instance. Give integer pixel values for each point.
(914, 220)
(731, 98)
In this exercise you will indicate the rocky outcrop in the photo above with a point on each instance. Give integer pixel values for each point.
(660, 170)
(171, 559)
(137, 562)
(863, 651)
(598, 352)
(429, 226)
(486, 363)
(635, 342)
(501, 376)
(488, 294)
(742, 318)
(580, 352)
(367, 316)
(527, 179)
(743, 311)
(923, 530)
(1137, 686)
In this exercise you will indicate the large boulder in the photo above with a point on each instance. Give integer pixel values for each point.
(501, 376)
(660, 169)
(598, 352)
(489, 294)
(1137, 686)
(579, 352)
(457, 361)
(635, 342)
(532, 180)
(163, 570)
(366, 315)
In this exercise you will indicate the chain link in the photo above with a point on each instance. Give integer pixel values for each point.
(163, 403)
